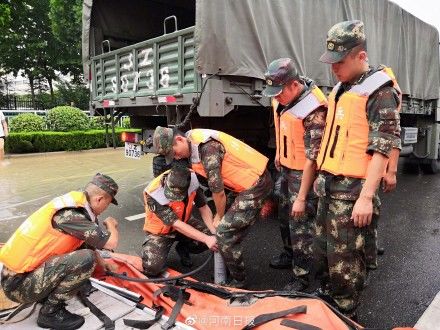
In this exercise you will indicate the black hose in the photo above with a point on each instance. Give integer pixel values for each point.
(194, 105)
(161, 279)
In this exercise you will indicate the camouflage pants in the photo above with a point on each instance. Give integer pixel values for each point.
(56, 280)
(236, 222)
(371, 243)
(340, 251)
(155, 248)
(301, 229)
(281, 195)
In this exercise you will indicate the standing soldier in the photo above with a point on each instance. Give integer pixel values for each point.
(299, 108)
(226, 162)
(43, 261)
(169, 199)
(363, 114)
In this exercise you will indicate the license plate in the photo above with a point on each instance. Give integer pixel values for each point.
(133, 150)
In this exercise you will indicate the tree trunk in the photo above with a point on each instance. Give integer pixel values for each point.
(52, 96)
(32, 85)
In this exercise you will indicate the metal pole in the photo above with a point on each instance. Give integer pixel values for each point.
(106, 128)
(112, 117)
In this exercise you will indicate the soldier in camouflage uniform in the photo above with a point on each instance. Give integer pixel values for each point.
(232, 224)
(58, 278)
(348, 204)
(195, 233)
(296, 99)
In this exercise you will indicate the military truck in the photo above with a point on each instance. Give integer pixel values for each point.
(200, 63)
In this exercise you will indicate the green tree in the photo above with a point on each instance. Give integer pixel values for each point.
(27, 45)
(66, 18)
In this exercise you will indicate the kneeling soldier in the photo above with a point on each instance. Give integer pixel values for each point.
(169, 199)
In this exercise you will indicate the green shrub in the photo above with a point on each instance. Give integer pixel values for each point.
(66, 119)
(97, 122)
(26, 122)
(59, 141)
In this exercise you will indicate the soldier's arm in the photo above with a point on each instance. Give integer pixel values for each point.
(211, 154)
(205, 211)
(313, 131)
(383, 119)
(390, 178)
(193, 233)
(75, 222)
(163, 212)
(112, 227)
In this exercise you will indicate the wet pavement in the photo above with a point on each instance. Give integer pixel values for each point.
(407, 280)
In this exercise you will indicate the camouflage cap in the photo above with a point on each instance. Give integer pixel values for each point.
(107, 184)
(177, 183)
(279, 73)
(341, 38)
(163, 143)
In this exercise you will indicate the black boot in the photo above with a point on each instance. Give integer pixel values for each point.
(185, 258)
(296, 284)
(282, 261)
(58, 317)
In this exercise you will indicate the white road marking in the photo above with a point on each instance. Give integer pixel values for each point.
(135, 217)
(13, 217)
(25, 202)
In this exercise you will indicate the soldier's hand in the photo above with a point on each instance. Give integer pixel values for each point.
(111, 222)
(389, 182)
(216, 221)
(298, 208)
(211, 243)
(362, 212)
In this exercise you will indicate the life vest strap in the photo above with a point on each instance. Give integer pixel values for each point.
(298, 325)
(176, 294)
(137, 324)
(108, 323)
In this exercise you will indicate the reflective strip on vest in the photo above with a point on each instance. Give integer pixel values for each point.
(307, 105)
(344, 145)
(158, 194)
(36, 240)
(289, 129)
(242, 165)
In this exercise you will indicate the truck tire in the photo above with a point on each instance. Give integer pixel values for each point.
(432, 167)
(159, 165)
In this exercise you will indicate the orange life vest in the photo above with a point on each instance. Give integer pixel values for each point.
(289, 128)
(344, 145)
(242, 165)
(153, 224)
(36, 240)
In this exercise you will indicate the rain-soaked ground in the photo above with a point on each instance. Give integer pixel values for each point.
(407, 280)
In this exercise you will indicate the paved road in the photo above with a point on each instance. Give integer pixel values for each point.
(407, 280)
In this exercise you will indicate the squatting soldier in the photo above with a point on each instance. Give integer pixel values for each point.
(42, 260)
(300, 109)
(226, 162)
(169, 199)
(363, 114)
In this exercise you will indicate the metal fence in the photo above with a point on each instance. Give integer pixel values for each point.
(18, 103)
